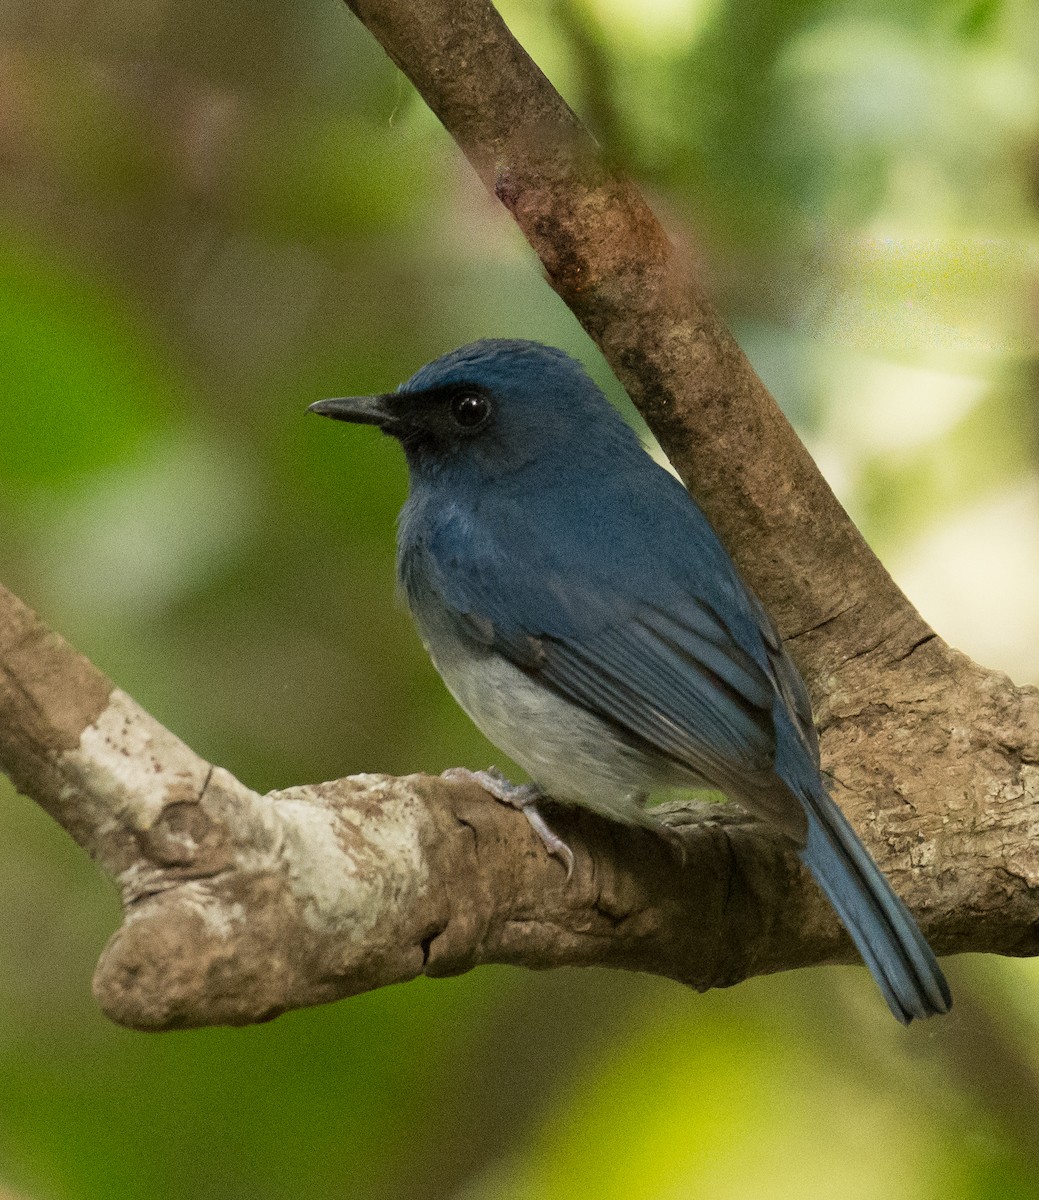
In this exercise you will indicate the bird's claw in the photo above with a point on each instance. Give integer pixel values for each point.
(552, 842)
(523, 796)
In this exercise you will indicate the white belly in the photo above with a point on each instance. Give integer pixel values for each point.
(572, 755)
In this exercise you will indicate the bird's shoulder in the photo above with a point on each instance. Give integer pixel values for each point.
(547, 537)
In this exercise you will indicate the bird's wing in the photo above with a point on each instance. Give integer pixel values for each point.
(670, 682)
(688, 665)
(676, 681)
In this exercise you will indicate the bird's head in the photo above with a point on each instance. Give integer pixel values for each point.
(493, 408)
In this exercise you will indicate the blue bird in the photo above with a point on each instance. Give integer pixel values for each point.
(585, 614)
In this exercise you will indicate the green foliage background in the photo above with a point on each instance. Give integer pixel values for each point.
(212, 214)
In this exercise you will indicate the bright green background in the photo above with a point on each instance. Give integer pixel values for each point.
(212, 214)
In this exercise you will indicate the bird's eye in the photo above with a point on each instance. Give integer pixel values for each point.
(470, 409)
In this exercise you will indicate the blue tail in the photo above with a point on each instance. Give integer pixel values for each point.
(882, 928)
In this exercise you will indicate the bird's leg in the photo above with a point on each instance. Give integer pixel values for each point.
(523, 796)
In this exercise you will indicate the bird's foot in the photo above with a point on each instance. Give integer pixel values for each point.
(523, 796)
(552, 842)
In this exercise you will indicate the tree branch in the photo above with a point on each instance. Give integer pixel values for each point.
(607, 256)
(238, 906)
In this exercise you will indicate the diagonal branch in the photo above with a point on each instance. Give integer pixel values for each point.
(238, 906)
(607, 256)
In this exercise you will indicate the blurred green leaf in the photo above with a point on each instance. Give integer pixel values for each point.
(83, 383)
(309, 177)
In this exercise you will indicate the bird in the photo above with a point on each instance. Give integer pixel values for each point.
(583, 611)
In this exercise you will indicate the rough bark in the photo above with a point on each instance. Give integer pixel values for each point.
(238, 906)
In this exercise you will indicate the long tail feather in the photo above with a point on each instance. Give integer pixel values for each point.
(882, 928)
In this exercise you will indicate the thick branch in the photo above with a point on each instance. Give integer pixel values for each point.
(239, 906)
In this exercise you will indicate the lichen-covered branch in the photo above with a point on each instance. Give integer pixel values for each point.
(238, 906)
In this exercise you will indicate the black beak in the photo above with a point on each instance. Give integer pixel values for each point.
(361, 410)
